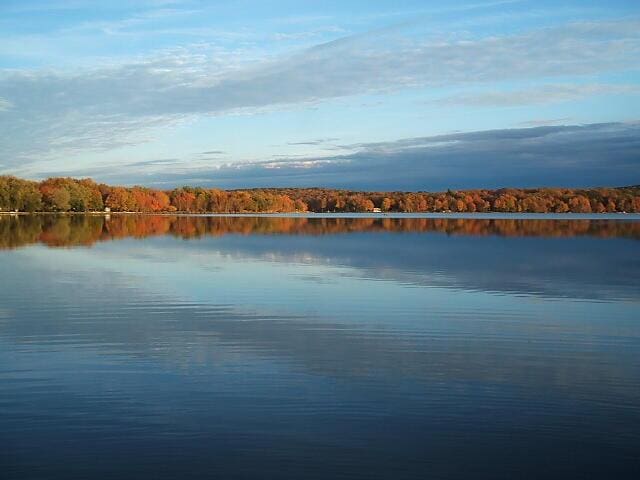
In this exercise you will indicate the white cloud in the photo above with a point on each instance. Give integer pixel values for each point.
(545, 121)
(56, 113)
(5, 104)
(545, 94)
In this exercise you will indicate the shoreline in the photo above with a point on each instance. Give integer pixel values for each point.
(392, 215)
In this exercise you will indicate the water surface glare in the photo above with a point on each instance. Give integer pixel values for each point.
(290, 347)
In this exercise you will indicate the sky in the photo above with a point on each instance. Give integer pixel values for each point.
(384, 95)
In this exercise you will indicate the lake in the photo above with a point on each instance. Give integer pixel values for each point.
(371, 347)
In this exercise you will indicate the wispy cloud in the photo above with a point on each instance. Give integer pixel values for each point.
(307, 34)
(315, 142)
(56, 114)
(545, 94)
(4, 104)
(545, 121)
(62, 5)
(156, 162)
(146, 21)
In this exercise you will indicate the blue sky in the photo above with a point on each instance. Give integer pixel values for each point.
(352, 94)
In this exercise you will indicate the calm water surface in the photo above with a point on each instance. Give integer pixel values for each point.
(182, 347)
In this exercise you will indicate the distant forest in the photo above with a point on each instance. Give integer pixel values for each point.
(72, 195)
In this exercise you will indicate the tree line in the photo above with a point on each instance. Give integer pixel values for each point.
(86, 230)
(85, 195)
